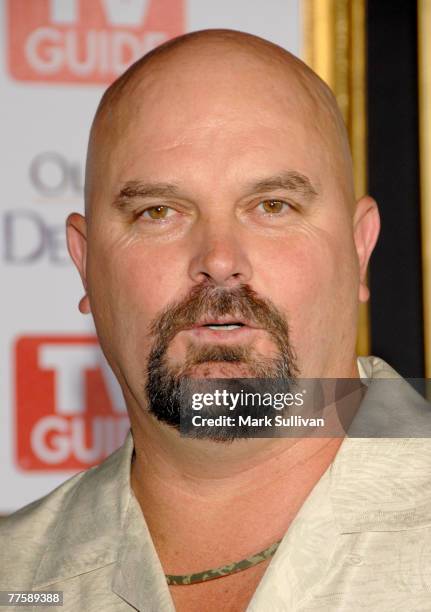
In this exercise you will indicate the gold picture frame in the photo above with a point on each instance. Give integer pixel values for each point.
(335, 47)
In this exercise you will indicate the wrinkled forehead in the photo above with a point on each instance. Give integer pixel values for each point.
(204, 96)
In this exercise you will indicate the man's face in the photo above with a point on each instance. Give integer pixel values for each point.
(218, 185)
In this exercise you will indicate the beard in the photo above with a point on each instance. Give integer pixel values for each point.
(169, 388)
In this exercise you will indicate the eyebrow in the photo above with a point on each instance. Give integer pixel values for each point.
(137, 189)
(290, 181)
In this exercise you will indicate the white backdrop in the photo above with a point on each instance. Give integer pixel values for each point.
(61, 410)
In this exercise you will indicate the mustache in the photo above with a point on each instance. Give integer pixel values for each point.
(206, 299)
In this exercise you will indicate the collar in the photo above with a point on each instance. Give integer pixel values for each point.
(91, 514)
(379, 479)
(101, 523)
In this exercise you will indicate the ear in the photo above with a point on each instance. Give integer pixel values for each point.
(366, 228)
(76, 233)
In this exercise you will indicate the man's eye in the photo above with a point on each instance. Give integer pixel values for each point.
(273, 206)
(156, 213)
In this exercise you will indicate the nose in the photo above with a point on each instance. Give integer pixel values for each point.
(220, 256)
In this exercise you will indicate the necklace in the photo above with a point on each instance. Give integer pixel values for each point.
(224, 570)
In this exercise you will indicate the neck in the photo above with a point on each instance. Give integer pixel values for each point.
(201, 464)
(222, 502)
(197, 495)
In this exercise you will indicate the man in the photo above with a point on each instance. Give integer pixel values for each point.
(222, 240)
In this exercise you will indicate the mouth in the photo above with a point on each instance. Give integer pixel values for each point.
(213, 329)
(222, 323)
(222, 326)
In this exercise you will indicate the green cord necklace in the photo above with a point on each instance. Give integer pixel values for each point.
(224, 570)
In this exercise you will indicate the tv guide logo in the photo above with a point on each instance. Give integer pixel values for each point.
(85, 41)
(69, 412)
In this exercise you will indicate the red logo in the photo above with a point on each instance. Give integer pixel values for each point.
(70, 414)
(86, 41)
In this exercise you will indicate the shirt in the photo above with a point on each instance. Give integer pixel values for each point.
(361, 541)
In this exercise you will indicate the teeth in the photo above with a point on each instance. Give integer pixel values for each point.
(233, 326)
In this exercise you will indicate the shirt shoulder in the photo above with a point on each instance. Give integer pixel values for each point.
(25, 534)
(69, 530)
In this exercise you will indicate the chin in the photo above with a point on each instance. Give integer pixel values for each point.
(219, 370)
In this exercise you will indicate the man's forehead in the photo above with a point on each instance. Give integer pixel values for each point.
(209, 156)
(213, 79)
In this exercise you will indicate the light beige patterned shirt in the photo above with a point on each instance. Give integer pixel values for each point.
(360, 543)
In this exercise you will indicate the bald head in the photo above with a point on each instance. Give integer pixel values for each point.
(210, 70)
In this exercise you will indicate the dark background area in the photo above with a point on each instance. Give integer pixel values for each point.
(396, 315)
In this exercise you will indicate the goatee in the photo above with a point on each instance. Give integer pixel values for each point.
(169, 387)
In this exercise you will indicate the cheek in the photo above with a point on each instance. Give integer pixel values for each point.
(311, 283)
(298, 268)
(130, 285)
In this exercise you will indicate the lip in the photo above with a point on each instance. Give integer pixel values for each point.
(226, 320)
(199, 331)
